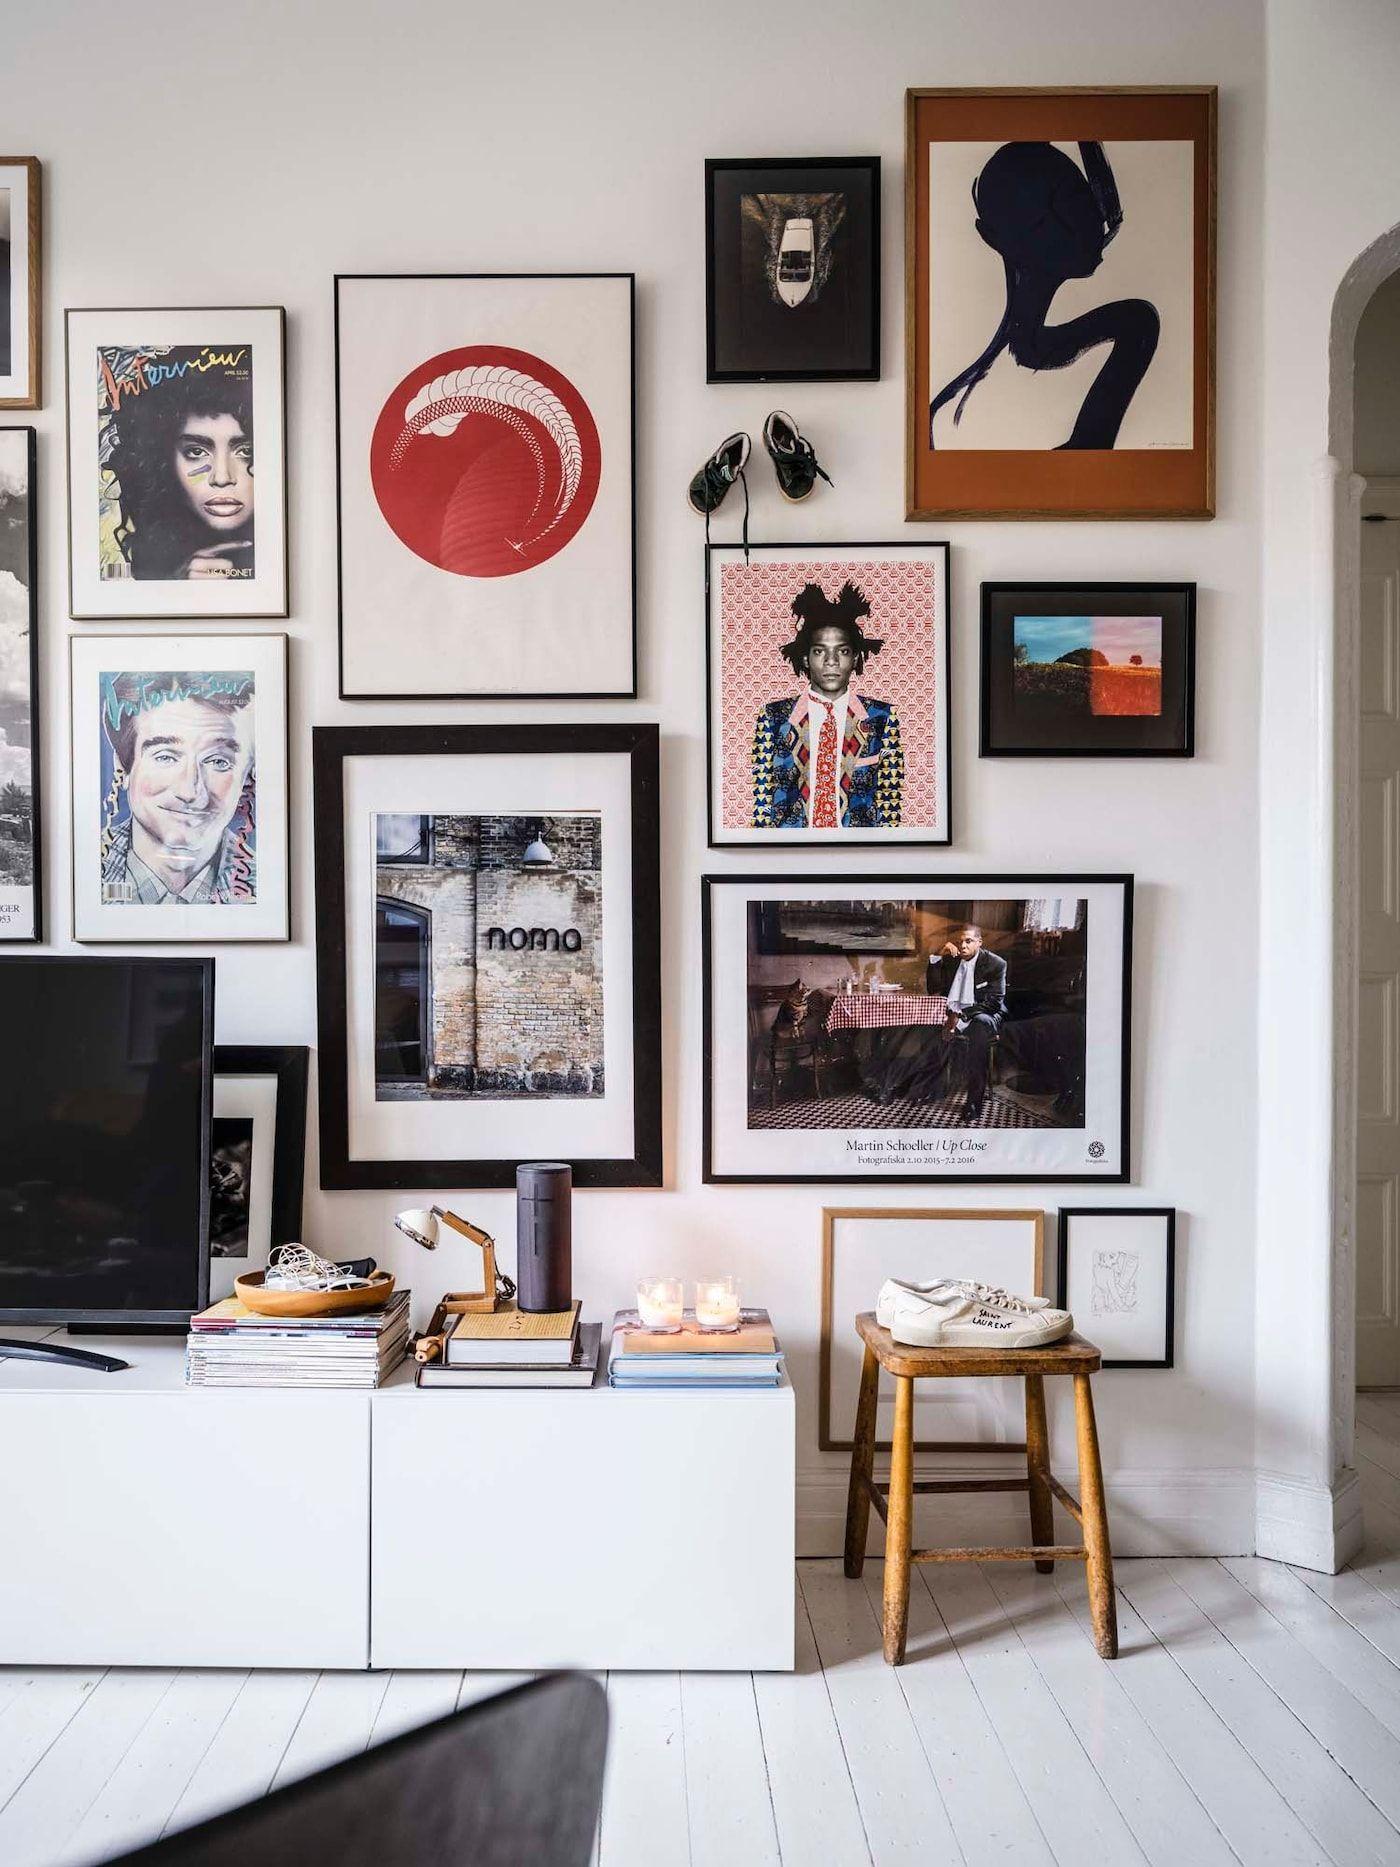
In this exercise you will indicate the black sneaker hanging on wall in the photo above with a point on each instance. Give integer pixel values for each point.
(794, 458)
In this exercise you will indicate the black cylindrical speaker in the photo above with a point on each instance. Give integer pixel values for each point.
(544, 1235)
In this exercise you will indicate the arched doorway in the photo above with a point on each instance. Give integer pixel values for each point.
(403, 1011)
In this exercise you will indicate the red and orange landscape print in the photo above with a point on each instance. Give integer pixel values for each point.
(1108, 667)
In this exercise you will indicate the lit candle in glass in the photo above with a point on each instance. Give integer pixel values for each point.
(660, 1304)
(717, 1303)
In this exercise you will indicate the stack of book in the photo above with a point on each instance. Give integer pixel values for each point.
(229, 1345)
(510, 1347)
(748, 1356)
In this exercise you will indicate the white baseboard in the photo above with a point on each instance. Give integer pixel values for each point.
(1205, 1511)
(1316, 1526)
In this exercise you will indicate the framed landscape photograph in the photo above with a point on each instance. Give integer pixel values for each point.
(486, 485)
(861, 1247)
(1060, 303)
(169, 515)
(21, 882)
(1117, 1278)
(792, 269)
(1089, 670)
(917, 1027)
(179, 787)
(488, 953)
(828, 695)
(21, 297)
(257, 1157)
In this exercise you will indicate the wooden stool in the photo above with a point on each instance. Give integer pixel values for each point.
(895, 1501)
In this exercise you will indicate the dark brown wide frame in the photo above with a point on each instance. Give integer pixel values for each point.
(34, 262)
(330, 746)
(1118, 483)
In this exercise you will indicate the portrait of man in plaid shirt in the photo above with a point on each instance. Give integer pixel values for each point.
(831, 759)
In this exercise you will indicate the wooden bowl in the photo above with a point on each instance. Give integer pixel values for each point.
(373, 1295)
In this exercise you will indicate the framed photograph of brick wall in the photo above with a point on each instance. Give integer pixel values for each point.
(488, 953)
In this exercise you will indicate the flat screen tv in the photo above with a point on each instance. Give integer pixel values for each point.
(106, 1073)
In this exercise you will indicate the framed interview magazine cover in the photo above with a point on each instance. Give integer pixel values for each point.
(1060, 303)
(917, 1027)
(488, 953)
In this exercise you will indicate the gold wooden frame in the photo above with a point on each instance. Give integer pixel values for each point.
(1206, 244)
(33, 259)
(830, 1214)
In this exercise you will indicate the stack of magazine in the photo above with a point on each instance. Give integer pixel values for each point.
(229, 1345)
(511, 1347)
(748, 1356)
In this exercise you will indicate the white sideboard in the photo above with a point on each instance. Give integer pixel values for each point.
(148, 1524)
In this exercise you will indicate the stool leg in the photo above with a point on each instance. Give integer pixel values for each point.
(1038, 1467)
(862, 1466)
(899, 1527)
(1099, 1566)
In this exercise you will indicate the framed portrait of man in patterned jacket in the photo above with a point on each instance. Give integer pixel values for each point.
(828, 694)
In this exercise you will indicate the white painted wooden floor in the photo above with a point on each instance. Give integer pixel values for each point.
(1254, 1716)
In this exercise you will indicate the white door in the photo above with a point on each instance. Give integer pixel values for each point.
(1378, 1087)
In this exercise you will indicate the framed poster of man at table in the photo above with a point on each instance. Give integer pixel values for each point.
(917, 1027)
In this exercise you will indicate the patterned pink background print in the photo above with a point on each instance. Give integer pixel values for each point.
(755, 619)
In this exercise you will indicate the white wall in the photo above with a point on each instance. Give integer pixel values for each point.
(246, 157)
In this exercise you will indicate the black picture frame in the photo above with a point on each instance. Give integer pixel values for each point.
(35, 839)
(290, 1064)
(342, 279)
(955, 887)
(1085, 1325)
(1171, 733)
(730, 359)
(850, 840)
(331, 746)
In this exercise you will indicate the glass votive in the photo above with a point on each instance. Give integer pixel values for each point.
(717, 1303)
(661, 1304)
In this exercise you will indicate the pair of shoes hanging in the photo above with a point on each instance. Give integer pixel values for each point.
(794, 461)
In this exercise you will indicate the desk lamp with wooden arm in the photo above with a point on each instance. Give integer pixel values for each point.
(423, 1224)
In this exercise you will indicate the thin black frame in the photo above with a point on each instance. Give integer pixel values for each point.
(290, 1064)
(871, 166)
(116, 1320)
(1185, 593)
(629, 693)
(141, 939)
(330, 746)
(36, 827)
(1168, 1213)
(945, 883)
(868, 839)
(140, 615)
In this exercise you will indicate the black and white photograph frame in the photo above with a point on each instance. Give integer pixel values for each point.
(486, 485)
(488, 953)
(792, 269)
(802, 637)
(1117, 1277)
(170, 515)
(861, 1247)
(1088, 670)
(180, 822)
(21, 282)
(257, 1157)
(21, 839)
(917, 1027)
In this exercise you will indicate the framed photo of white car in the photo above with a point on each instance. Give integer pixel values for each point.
(792, 269)
(917, 1027)
(179, 787)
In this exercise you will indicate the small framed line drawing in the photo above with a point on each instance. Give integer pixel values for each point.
(1117, 1276)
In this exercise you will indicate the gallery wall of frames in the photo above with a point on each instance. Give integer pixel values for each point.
(855, 852)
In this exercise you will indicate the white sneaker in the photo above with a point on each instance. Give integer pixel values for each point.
(954, 1312)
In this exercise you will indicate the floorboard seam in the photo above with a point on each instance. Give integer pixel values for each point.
(835, 1720)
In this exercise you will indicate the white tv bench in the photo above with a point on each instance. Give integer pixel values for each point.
(154, 1525)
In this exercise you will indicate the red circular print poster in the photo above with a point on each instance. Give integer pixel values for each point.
(485, 461)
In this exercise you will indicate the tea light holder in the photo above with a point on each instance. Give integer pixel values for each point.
(661, 1304)
(717, 1304)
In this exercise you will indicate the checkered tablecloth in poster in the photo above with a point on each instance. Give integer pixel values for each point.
(870, 1011)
